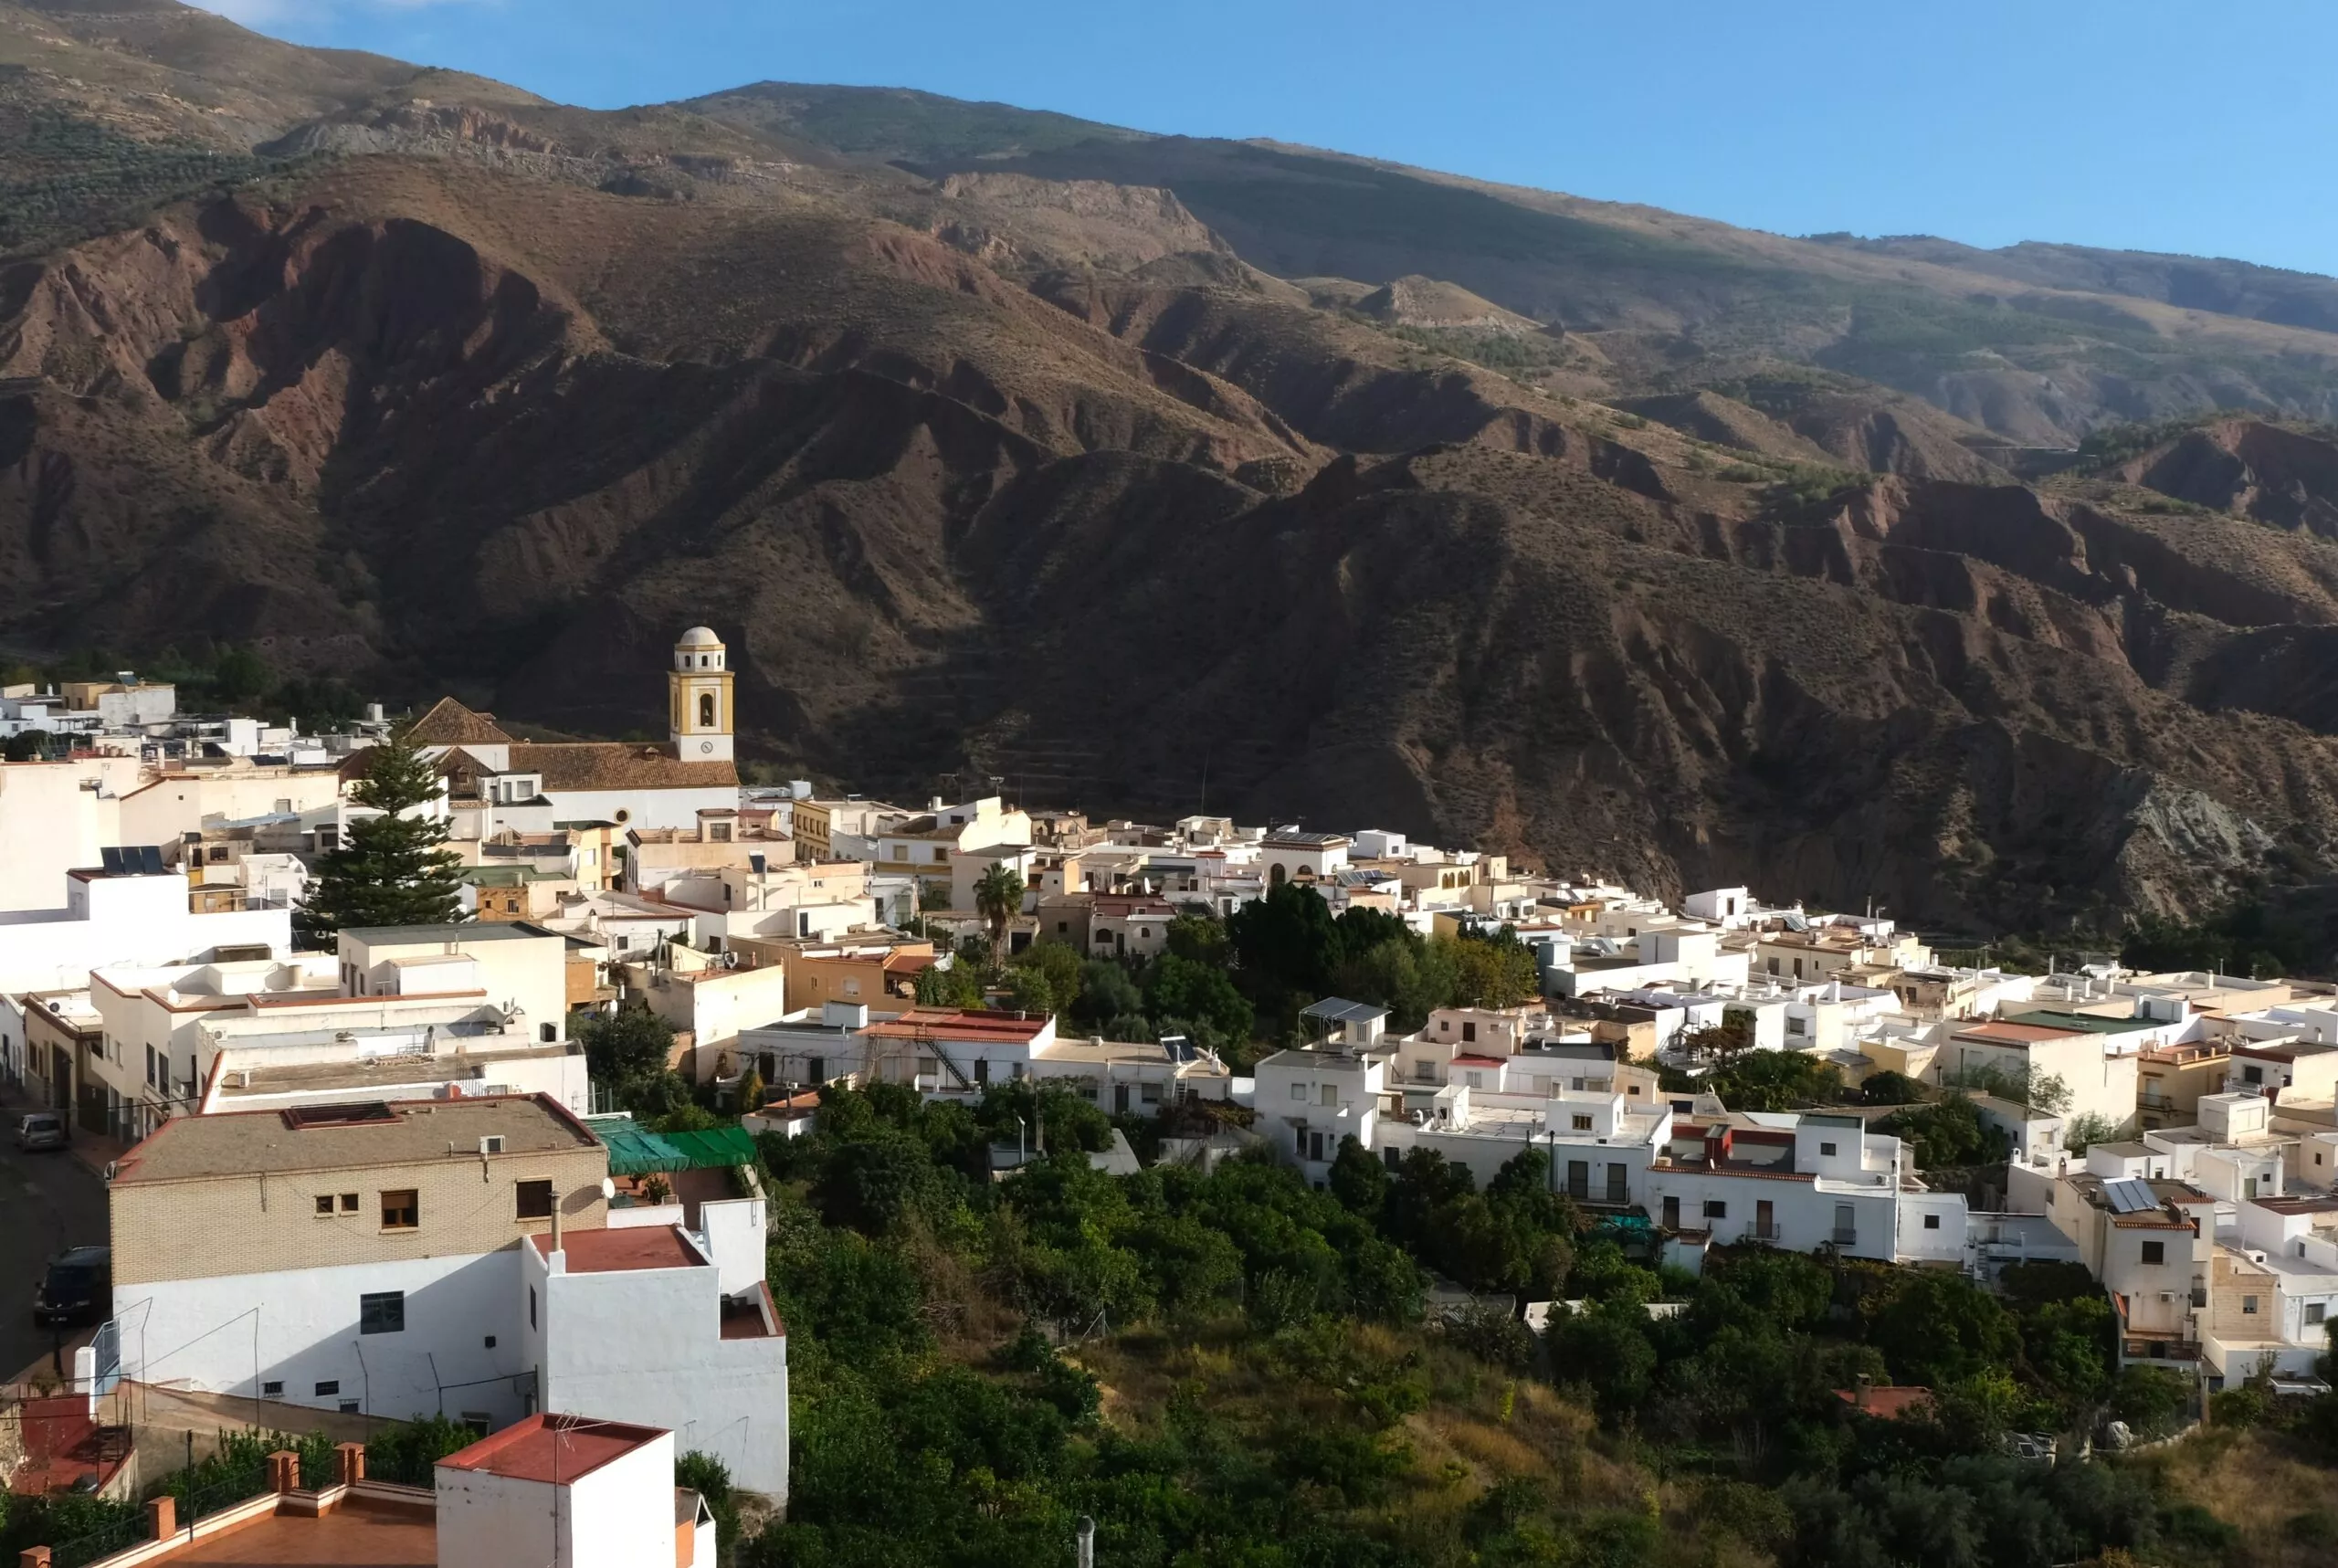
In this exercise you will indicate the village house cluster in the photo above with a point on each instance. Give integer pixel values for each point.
(378, 1178)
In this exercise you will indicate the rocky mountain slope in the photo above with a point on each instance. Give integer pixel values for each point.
(1044, 474)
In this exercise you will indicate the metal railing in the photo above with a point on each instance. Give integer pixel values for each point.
(1843, 1237)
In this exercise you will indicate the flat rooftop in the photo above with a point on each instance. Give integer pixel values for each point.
(488, 930)
(948, 1023)
(554, 1450)
(373, 1133)
(396, 1069)
(362, 1532)
(624, 1251)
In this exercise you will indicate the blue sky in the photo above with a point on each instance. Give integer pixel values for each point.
(2148, 124)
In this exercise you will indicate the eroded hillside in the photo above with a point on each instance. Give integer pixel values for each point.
(1055, 479)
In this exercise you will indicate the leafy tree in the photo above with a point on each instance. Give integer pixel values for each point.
(239, 675)
(998, 898)
(1888, 1087)
(1201, 939)
(1106, 993)
(959, 985)
(626, 1054)
(1358, 1179)
(1030, 992)
(1936, 1328)
(391, 869)
(1062, 966)
(1496, 971)
(26, 746)
(1178, 987)
(1775, 1080)
(1287, 940)
(1949, 1134)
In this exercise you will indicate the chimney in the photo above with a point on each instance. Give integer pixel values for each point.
(284, 1471)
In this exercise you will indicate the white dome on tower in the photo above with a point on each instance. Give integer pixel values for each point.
(699, 649)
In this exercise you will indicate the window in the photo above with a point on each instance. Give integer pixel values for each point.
(547, 1033)
(1474, 1079)
(535, 1200)
(2314, 1310)
(1931, 1222)
(348, 1407)
(349, 1203)
(2248, 1305)
(2155, 1252)
(401, 1210)
(2252, 1075)
(381, 1312)
(1582, 1123)
(219, 854)
(531, 1306)
(1468, 1031)
(1330, 1094)
(327, 1390)
(1716, 1209)
(1299, 1091)
(1063, 928)
(1827, 1149)
(324, 1203)
(706, 709)
(1798, 1026)
(273, 1388)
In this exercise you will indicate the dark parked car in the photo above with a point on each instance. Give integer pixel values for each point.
(78, 1288)
(41, 1129)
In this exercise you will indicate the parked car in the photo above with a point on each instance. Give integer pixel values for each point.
(78, 1288)
(41, 1129)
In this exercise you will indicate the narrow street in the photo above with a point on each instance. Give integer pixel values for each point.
(48, 1202)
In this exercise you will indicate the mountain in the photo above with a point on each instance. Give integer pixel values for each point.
(1148, 474)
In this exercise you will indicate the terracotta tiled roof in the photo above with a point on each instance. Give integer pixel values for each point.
(618, 764)
(452, 724)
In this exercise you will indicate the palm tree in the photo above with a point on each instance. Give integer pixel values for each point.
(998, 898)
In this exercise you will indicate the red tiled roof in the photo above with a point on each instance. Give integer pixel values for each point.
(618, 1251)
(618, 764)
(450, 724)
(553, 1448)
(1477, 1061)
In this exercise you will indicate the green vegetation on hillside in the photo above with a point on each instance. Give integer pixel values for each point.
(1231, 1369)
(903, 123)
(67, 178)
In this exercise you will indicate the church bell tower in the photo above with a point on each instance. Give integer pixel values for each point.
(700, 687)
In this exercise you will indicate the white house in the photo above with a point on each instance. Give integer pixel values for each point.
(569, 1491)
(400, 1257)
(127, 917)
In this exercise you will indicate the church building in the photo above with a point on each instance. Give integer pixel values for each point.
(495, 782)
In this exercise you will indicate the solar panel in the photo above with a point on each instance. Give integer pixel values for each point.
(149, 860)
(110, 860)
(2129, 1195)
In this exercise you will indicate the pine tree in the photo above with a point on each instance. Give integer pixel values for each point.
(390, 870)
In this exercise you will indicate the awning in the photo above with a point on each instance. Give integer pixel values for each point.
(635, 1150)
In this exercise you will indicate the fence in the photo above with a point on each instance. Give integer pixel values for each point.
(81, 1530)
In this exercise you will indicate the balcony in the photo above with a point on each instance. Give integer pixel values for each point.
(1770, 1233)
(1841, 1237)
